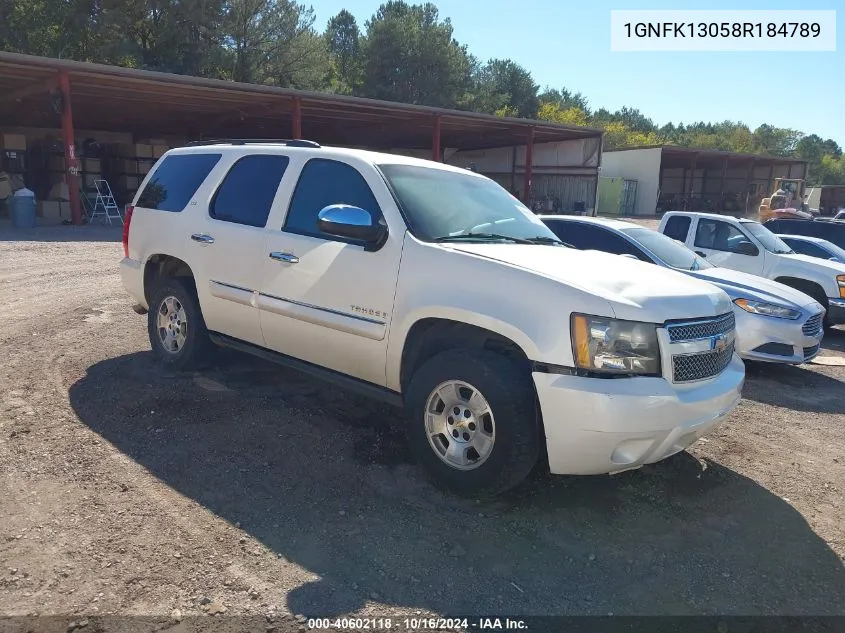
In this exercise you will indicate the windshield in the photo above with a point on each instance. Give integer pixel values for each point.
(769, 240)
(671, 252)
(441, 205)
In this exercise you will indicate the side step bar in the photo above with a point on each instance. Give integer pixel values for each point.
(361, 387)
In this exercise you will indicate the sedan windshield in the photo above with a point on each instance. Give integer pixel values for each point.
(769, 240)
(671, 252)
(443, 206)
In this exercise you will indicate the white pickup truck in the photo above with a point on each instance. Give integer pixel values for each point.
(750, 247)
(433, 288)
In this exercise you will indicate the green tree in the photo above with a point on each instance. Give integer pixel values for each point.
(409, 55)
(274, 42)
(344, 41)
(515, 84)
(565, 99)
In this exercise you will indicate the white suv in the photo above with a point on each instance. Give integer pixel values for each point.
(433, 288)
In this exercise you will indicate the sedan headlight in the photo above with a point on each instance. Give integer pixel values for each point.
(610, 346)
(840, 281)
(767, 309)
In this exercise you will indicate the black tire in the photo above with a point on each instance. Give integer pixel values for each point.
(197, 345)
(510, 394)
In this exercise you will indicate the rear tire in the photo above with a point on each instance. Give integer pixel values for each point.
(484, 404)
(175, 325)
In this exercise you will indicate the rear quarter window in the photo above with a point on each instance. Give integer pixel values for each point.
(175, 181)
(677, 227)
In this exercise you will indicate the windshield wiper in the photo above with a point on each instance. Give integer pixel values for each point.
(482, 236)
(540, 239)
(496, 236)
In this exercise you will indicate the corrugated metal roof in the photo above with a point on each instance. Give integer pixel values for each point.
(149, 103)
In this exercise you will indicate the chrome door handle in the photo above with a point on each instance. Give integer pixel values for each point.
(288, 258)
(202, 238)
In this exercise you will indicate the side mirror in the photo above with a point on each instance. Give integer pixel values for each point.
(747, 248)
(355, 223)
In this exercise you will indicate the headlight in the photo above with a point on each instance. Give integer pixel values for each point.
(767, 309)
(840, 281)
(611, 346)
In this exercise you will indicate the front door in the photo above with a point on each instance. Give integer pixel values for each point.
(323, 299)
(721, 242)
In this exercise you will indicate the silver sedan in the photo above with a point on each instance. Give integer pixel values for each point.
(774, 322)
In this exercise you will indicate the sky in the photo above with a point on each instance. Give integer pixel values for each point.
(567, 44)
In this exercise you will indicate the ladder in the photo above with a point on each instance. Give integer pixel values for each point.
(104, 203)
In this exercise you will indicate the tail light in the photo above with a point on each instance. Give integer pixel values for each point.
(127, 218)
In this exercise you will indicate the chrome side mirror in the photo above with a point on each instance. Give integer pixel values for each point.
(353, 223)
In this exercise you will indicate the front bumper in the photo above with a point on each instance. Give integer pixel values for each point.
(596, 426)
(767, 339)
(836, 311)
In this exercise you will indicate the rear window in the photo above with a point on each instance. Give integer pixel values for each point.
(247, 192)
(176, 180)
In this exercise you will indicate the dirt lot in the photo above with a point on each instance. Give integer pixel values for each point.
(253, 490)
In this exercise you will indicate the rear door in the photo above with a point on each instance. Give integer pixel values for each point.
(227, 240)
(720, 243)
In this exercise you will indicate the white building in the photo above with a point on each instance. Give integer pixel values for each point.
(675, 178)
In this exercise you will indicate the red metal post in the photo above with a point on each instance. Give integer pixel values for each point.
(529, 166)
(436, 152)
(71, 163)
(296, 118)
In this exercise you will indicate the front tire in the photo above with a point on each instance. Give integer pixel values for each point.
(175, 325)
(472, 422)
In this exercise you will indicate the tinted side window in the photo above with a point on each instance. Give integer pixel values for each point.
(570, 232)
(602, 239)
(719, 236)
(247, 191)
(584, 236)
(805, 248)
(322, 183)
(176, 180)
(677, 227)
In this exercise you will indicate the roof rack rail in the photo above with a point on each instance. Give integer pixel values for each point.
(289, 142)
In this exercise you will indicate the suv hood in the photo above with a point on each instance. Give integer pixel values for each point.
(636, 290)
(740, 285)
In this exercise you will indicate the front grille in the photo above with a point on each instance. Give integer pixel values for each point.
(810, 352)
(813, 326)
(694, 330)
(688, 367)
(691, 367)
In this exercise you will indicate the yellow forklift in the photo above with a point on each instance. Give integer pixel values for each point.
(787, 201)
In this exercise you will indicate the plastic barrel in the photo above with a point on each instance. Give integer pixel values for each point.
(22, 210)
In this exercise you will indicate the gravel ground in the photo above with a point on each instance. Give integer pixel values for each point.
(247, 489)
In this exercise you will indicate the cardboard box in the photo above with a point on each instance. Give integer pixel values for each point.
(13, 141)
(59, 191)
(144, 166)
(91, 165)
(9, 184)
(54, 211)
(129, 183)
(138, 150)
(128, 166)
(159, 150)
